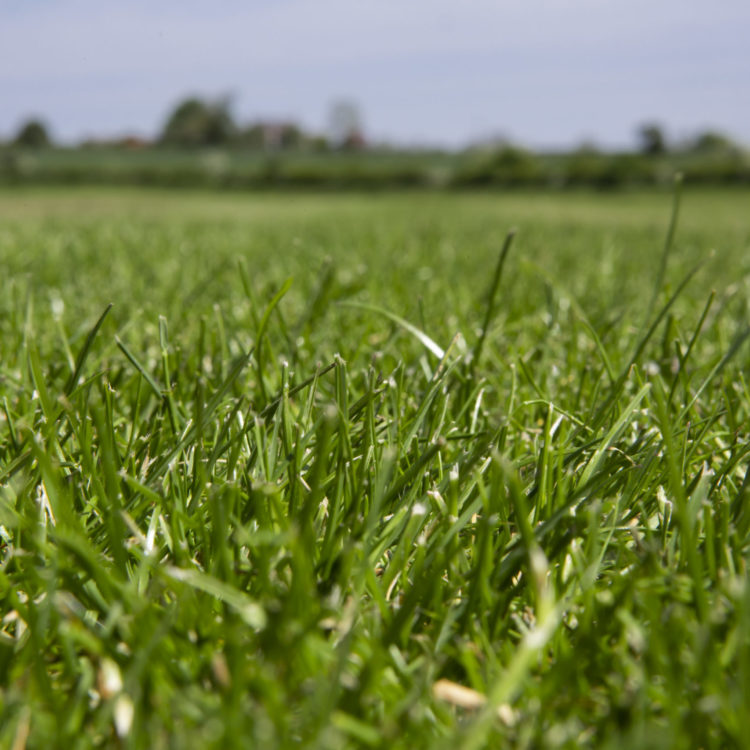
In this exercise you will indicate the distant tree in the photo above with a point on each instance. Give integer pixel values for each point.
(272, 136)
(196, 122)
(345, 124)
(32, 134)
(253, 136)
(514, 165)
(587, 148)
(319, 143)
(292, 136)
(713, 142)
(651, 139)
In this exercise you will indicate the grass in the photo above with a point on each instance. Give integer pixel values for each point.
(350, 472)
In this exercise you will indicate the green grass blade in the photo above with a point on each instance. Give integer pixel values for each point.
(492, 294)
(421, 336)
(83, 354)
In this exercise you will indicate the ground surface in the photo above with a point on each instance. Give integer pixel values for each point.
(245, 510)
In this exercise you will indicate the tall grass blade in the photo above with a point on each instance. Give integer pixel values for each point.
(83, 354)
(492, 294)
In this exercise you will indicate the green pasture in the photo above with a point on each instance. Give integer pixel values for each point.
(366, 470)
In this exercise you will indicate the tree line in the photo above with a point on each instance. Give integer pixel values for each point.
(197, 122)
(281, 154)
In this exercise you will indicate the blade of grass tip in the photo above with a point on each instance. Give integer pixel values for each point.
(64, 343)
(316, 479)
(579, 311)
(11, 425)
(37, 378)
(220, 345)
(138, 366)
(647, 337)
(535, 557)
(81, 359)
(562, 412)
(60, 501)
(111, 502)
(422, 411)
(599, 347)
(444, 360)
(602, 410)
(270, 409)
(320, 296)
(738, 341)
(740, 505)
(490, 310)
(643, 342)
(156, 468)
(530, 378)
(690, 550)
(668, 243)
(364, 401)
(610, 437)
(12, 467)
(261, 331)
(413, 471)
(247, 608)
(164, 346)
(686, 355)
(248, 291)
(421, 336)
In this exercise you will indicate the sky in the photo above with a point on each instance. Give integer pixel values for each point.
(544, 73)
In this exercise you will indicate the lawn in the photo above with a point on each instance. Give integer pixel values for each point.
(352, 471)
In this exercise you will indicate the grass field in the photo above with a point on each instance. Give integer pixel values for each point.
(358, 471)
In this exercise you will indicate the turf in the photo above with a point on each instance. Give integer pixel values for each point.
(357, 471)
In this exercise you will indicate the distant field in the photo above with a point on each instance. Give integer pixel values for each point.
(329, 475)
(147, 251)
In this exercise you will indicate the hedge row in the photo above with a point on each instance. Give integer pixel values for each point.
(504, 169)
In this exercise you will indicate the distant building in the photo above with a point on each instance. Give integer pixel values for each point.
(127, 142)
(345, 125)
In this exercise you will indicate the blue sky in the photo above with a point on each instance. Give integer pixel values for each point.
(547, 74)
